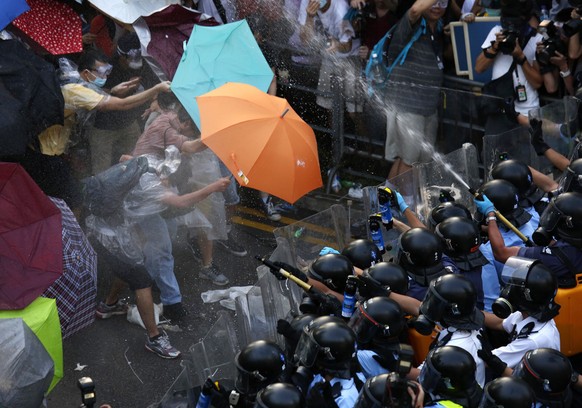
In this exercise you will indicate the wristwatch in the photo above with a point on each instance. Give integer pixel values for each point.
(565, 73)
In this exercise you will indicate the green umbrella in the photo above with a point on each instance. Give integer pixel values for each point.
(217, 55)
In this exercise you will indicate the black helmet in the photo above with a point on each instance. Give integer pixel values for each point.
(562, 219)
(420, 253)
(549, 373)
(448, 371)
(279, 395)
(332, 270)
(504, 197)
(572, 180)
(530, 287)
(389, 275)
(384, 390)
(461, 240)
(293, 334)
(452, 300)
(363, 253)
(258, 364)
(328, 347)
(378, 318)
(518, 174)
(507, 392)
(446, 210)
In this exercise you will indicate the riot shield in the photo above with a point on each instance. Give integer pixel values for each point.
(514, 144)
(559, 125)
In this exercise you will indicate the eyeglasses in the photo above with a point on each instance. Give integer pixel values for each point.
(103, 70)
(443, 4)
(131, 54)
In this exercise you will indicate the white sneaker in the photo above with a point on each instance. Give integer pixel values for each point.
(270, 211)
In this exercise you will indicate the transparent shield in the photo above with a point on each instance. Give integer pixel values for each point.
(515, 144)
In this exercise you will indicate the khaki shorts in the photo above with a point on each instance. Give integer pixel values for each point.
(410, 136)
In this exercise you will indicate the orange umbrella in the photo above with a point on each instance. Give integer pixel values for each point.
(261, 140)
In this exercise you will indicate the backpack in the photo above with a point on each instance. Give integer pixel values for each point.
(103, 193)
(381, 50)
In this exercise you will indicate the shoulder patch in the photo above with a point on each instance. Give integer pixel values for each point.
(546, 250)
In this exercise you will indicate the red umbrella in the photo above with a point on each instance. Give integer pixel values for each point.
(31, 249)
(53, 25)
(168, 29)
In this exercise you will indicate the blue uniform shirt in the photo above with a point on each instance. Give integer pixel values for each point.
(549, 259)
(349, 393)
(474, 275)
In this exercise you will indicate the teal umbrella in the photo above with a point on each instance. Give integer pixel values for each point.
(217, 55)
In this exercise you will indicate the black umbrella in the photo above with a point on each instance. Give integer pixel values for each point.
(30, 97)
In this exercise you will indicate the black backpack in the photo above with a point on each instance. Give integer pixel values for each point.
(103, 194)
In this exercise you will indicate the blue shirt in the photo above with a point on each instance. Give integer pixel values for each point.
(552, 261)
(371, 367)
(474, 275)
(349, 393)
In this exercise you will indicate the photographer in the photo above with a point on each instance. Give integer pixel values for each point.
(510, 49)
(551, 55)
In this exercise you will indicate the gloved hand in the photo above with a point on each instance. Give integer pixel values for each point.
(402, 206)
(284, 328)
(383, 361)
(495, 364)
(326, 304)
(369, 289)
(484, 205)
(509, 109)
(292, 270)
(328, 250)
(537, 137)
(320, 396)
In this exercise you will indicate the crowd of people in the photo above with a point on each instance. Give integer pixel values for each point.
(487, 292)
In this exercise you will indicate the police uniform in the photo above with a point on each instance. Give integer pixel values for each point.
(370, 366)
(552, 261)
(474, 275)
(467, 340)
(491, 272)
(349, 392)
(535, 216)
(416, 290)
(526, 334)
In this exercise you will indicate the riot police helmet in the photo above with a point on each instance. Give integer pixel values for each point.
(420, 254)
(388, 275)
(385, 390)
(504, 197)
(258, 364)
(562, 219)
(572, 180)
(460, 236)
(363, 253)
(294, 331)
(517, 173)
(507, 392)
(378, 318)
(279, 395)
(332, 270)
(447, 210)
(548, 372)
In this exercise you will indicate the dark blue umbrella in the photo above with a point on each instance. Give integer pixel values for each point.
(11, 9)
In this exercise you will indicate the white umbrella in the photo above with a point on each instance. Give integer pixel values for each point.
(127, 11)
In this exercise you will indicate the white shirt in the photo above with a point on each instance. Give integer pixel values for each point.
(502, 63)
(543, 335)
(349, 393)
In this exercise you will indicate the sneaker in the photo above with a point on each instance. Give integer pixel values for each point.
(161, 346)
(231, 246)
(212, 273)
(270, 210)
(105, 311)
(175, 312)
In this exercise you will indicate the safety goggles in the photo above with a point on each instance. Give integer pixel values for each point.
(103, 70)
(131, 54)
(442, 4)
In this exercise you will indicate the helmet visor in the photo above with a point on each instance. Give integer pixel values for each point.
(307, 349)
(247, 381)
(487, 401)
(429, 377)
(515, 270)
(550, 217)
(366, 327)
(433, 305)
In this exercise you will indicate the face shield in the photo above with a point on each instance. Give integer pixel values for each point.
(430, 378)
(571, 182)
(307, 349)
(434, 306)
(366, 327)
(248, 382)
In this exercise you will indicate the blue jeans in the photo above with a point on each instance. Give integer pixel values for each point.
(159, 260)
(230, 195)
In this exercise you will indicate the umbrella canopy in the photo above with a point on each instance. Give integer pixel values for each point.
(127, 11)
(164, 32)
(76, 290)
(215, 56)
(31, 250)
(53, 25)
(261, 140)
(30, 97)
(9, 10)
(26, 368)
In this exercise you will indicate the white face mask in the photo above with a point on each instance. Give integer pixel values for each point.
(135, 64)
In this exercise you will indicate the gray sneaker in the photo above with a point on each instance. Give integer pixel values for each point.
(161, 346)
(213, 274)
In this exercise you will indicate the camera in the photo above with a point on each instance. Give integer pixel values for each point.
(572, 27)
(507, 45)
(87, 387)
(552, 42)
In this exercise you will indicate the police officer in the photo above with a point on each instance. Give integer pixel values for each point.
(378, 323)
(550, 375)
(448, 377)
(507, 392)
(447, 210)
(504, 195)
(461, 240)
(420, 254)
(572, 178)
(329, 350)
(387, 275)
(526, 311)
(279, 395)
(363, 253)
(390, 390)
(258, 364)
(520, 175)
(292, 331)
(559, 237)
(451, 301)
